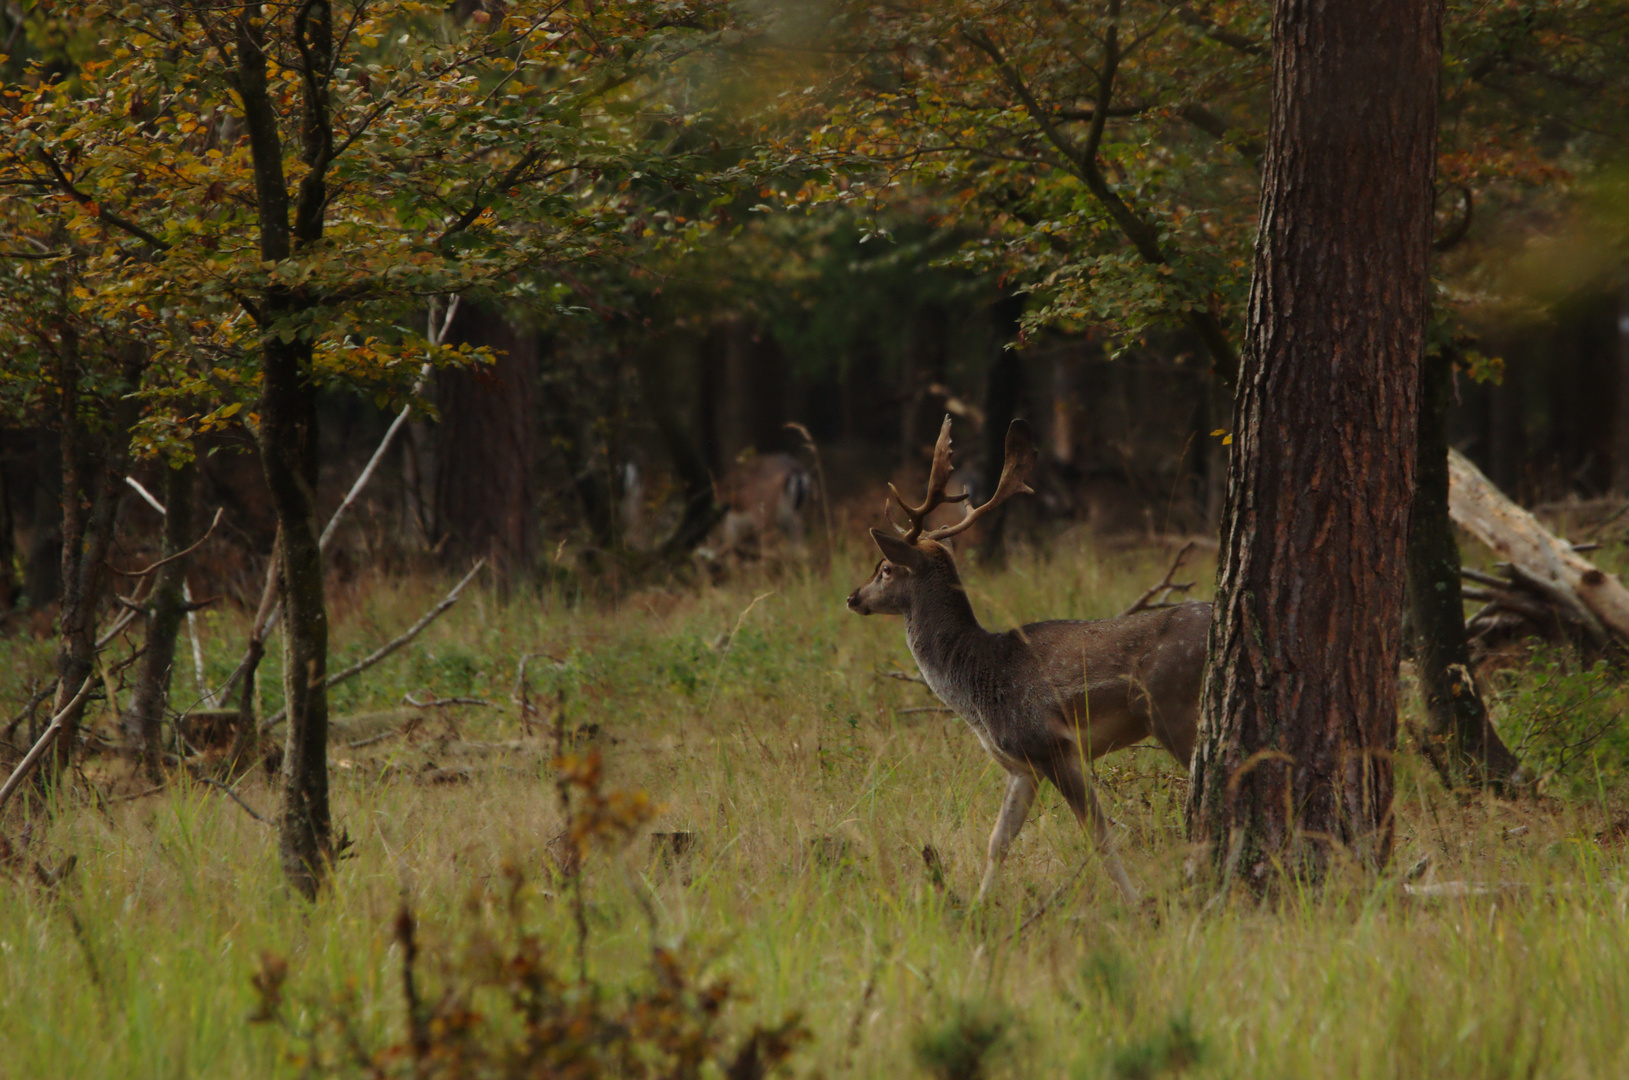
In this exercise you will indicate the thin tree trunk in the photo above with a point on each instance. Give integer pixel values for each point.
(701, 509)
(1003, 400)
(1620, 435)
(1299, 710)
(8, 533)
(288, 425)
(92, 468)
(288, 436)
(42, 562)
(568, 428)
(168, 610)
(1459, 736)
(76, 628)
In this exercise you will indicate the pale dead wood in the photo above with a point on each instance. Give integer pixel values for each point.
(207, 699)
(1164, 589)
(441, 703)
(1538, 560)
(43, 743)
(390, 646)
(1452, 889)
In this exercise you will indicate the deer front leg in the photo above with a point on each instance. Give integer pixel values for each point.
(1078, 792)
(1015, 806)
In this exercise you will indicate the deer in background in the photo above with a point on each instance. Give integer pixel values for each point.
(765, 496)
(1048, 698)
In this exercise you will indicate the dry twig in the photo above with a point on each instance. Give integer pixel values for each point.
(183, 553)
(234, 796)
(1164, 589)
(32, 758)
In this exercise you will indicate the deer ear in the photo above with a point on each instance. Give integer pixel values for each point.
(896, 550)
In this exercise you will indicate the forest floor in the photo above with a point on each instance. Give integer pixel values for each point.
(760, 718)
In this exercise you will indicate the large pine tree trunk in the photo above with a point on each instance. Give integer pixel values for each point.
(1459, 736)
(1299, 712)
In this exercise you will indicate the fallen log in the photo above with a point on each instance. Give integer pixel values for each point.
(1538, 565)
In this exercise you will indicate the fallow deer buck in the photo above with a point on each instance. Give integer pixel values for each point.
(1048, 698)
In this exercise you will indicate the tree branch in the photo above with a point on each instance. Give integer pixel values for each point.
(179, 554)
(104, 215)
(389, 647)
(1083, 162)
(32, 758)
(1248, 46)
(1217, 128)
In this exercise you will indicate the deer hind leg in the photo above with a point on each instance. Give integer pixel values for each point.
(1078, 792)
(1021, 788)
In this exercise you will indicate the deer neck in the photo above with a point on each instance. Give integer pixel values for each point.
(944, 635)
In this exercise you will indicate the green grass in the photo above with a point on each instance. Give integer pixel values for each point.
(811, 792)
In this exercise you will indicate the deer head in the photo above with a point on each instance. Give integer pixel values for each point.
(915, 559)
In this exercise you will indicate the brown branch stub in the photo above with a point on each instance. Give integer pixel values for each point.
(1164, 588)
(183, 553)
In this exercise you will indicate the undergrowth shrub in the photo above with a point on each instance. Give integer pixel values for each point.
(1170, 1051)
(505, 1006)
(1566, 721)
(966, 1043)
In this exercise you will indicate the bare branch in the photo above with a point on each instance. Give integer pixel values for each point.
(1217, 33)
(230, 794)
(183, 553)
(104, 215)
(32, 758)
(1164, 589)
(389, 647)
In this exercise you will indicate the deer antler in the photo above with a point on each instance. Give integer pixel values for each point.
(1015, 474)
(938, 477)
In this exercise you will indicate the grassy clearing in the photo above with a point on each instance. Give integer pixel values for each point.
(811, 791)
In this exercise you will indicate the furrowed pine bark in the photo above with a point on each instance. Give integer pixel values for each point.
(1299, 711)
(288, 421)
(1459, 737)
(168, 610)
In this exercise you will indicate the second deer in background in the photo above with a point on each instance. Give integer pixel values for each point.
(1047, 698)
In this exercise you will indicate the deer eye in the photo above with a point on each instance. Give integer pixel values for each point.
(887, 571)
